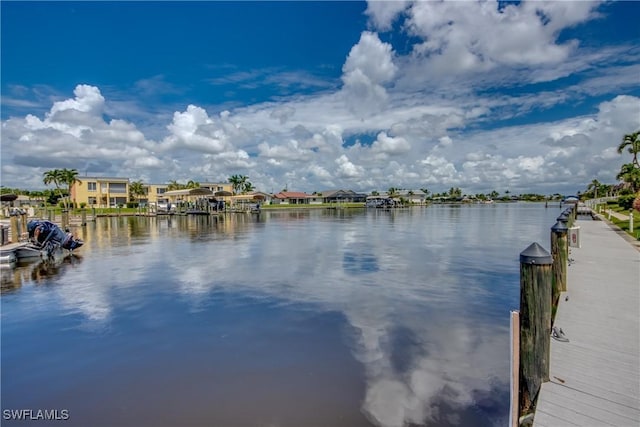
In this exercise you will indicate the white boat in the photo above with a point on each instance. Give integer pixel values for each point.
(7, 258)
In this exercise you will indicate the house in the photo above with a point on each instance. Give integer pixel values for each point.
(153, 193)
(101, 191)
(342, 196)
(216, 187)
(290, 198)
(414, 197)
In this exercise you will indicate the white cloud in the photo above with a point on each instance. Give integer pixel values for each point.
(346, 169)
(367, 68)
(388, 145)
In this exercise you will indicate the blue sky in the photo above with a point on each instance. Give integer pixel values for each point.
(525, 97)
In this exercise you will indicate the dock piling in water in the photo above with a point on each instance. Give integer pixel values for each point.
(15, 234)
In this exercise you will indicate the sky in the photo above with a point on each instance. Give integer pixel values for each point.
(525, 97)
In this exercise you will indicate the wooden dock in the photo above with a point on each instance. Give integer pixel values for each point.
(595, 377)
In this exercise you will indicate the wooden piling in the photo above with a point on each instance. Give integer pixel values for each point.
(83, 217)
(15, 233)
(535, 323)
(65, 218)
(560, 254)
(23, 224)
(514, 333)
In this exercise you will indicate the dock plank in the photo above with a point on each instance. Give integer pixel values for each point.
(595, 377)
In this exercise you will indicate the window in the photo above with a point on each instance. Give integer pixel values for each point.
(117, 187)
(92, 201)
(91, 186)
(160, 190)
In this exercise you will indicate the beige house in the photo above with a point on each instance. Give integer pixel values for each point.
(100, 192)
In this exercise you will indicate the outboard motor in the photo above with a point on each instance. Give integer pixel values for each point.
(48, 236)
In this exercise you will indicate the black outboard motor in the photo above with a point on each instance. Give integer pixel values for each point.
(48, 236)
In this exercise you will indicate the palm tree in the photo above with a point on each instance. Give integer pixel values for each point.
(69, 177)
(174, 185)
(425, 191)
(595, 186)
(136, 190)
(193, 184)
(629, 173)
(248, 187)
(54, 177)
(375, 193)
(632, 141)
(237, 181)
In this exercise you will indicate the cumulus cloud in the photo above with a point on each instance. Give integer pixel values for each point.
(193, 129)
(390, 146)
(456, 39)
(346, 169)
(367, 68)
(74, 134)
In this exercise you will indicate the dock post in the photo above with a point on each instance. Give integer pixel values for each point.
(65, 218)
(23, 223)
(559, 246)
(631, 221)
(49, 214)
(535, 323)
(93, 214)
(83, 217)
(15, 234)
(514, 332)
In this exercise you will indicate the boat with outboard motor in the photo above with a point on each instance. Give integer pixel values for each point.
(45, 238)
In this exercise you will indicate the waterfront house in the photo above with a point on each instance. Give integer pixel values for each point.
(413, 196)
(251, 200)
(153, 193)
(291, 198)
(342, 196)
(217, 187)
(101, 192)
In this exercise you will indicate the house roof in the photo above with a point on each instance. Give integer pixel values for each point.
(250, 196)
(291, 195)
(332, 193)
(101, 178)
(189, 192)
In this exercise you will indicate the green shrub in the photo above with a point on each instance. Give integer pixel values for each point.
(132, 204)
(626, 201)
(83, 205)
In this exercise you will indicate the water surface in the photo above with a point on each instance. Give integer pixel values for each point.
(287, 318)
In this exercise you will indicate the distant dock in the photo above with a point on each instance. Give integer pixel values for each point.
(594, 378)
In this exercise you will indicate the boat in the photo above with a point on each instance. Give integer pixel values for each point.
(381, 202)
(7, 258)
(45, 238)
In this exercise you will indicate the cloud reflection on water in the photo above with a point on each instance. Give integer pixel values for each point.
(416, 288)
(379, 285)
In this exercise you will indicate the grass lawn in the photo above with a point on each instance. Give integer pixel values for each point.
(623, 224)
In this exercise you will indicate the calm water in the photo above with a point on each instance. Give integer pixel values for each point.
(320, 318)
